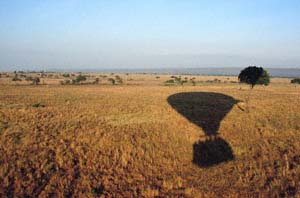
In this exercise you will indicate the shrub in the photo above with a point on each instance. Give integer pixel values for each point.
(15, 78)
(65, 82)
(42, 74)
(80, 78)
(38, 105)
(66, 75)
(216, 80)
(183, 81)
(97, 80)
(112, 81)
(193, 82)
(29, 78)
(36, 81)
(171, 81)
(177, 79)
(119, 79)
(295, 81)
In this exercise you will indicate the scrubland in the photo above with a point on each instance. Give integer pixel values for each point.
(142, 139)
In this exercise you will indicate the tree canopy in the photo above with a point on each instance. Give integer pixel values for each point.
(254, 75)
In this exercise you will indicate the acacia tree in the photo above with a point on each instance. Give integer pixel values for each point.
(254, 75)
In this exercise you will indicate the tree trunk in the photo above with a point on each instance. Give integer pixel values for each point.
(248, 100)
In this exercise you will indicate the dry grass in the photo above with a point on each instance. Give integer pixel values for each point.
(128, 141)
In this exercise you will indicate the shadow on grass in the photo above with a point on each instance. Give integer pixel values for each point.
(207, 110)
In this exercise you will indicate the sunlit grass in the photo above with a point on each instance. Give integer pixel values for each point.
(128, 141)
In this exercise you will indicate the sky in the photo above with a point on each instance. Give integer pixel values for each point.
(95, 34)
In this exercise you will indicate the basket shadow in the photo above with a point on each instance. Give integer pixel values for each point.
(207, 110)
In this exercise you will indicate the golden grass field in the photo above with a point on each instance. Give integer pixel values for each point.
(144, 139)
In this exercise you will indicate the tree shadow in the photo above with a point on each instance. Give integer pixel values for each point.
(207, 110)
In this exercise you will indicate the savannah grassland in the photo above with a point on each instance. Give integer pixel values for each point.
(128, 140)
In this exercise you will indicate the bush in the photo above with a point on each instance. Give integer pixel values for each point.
(80, 78)
(36, 81)
(29, 78)
(177, 79)
(42, 74)
(193, 82)
(15, 78)
(97, 80)
(295, 81)
(65, 82)
(119, 79)
(171, 81)
(217, 80)
(66, 75)
(183, 81)
(38, 105)
(112, 81)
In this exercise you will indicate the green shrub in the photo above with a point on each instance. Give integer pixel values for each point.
(29, 78)
(36, 81)
(65, 82)
(171, 81)
(295, 81)
(80, 78)
(38, 105)
(97, 80)
(15, 78)
(193, 82)
(119, 79)
(112, 81)
(66, 75)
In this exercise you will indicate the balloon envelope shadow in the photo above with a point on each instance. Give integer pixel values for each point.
(207, 110)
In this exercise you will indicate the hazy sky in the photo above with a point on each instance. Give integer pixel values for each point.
(73, 34)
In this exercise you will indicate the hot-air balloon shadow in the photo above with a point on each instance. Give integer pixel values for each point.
(207, 110)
